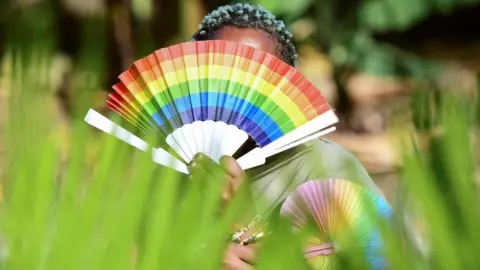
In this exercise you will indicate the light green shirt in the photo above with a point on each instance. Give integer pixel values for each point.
(318, 159)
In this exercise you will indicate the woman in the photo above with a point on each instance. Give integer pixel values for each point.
(272, 182)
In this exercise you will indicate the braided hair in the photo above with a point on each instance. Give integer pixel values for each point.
(249, 16)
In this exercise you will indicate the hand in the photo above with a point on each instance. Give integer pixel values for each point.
(204, 167)
(239, 257)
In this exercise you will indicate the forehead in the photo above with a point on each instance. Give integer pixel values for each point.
(256, 38)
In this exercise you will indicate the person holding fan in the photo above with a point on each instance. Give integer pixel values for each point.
(272, 182)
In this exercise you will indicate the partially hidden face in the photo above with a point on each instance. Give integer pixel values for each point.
(256, 38)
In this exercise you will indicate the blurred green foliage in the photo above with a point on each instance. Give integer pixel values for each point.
(117, 210)
(347, 31)
(103, 206)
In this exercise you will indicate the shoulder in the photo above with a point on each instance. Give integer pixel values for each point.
(326, 144)
(327, 156)
(329, 150)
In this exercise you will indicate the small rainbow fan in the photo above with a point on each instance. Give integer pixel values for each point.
(211, 96)
(341, 213)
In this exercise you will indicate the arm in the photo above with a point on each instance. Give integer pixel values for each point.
(318, 159)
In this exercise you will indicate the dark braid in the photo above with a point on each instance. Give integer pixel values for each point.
(249, 16)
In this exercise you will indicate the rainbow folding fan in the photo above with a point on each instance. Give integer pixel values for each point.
(210, 97)
(341, 211)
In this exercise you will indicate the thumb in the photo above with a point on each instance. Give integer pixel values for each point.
(231, 166)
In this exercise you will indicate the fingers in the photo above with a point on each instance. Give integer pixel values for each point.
(228, 164)
(234, 263)
(197, 172)
(203, 167)
(254, 248)
(204, 162)
(235, 178)
(231, 166)
(245, 253)
(201, 160)
(227, 192)
(231, 187)
(239, 257)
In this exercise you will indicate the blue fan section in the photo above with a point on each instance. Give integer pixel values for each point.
(374, 249)
(219, 107)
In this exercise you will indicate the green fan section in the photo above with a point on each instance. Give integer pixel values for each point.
(240, 91)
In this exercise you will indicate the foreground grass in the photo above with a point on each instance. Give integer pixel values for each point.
(105, 206)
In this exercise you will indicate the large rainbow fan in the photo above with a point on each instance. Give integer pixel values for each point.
(211, 96)
(344, 216)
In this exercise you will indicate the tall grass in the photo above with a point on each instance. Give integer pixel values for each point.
(109, 207)
(106, 206)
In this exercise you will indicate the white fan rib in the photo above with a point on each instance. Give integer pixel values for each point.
(214, 139)
(198, 136)
(175, 140)
(106, 125)
(208, 129)
(301, 141)
(318, 123)
(234, 138)
(252, 159)
(162, 157)
(218, 134)
(302, 134)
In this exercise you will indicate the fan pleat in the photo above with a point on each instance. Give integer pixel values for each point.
(218, 61)
(183, 105)
(183, 63)
(131, 86)
(216, 101)
(116, 103)
(231, 88)
(177, 142)
(111, 105)
(125, 115)
(183, 108)
(194, 86)
(163, 98)
(132, 103)
(244, 54)
(178, 68)
(148, 82)
(266, 107)
(170, 107)
(140, 70)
